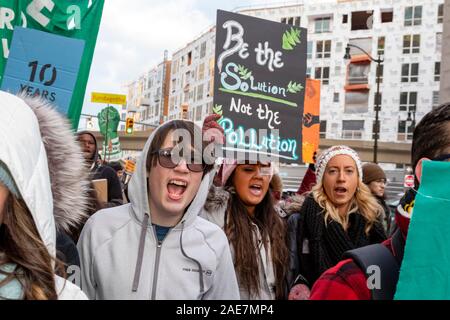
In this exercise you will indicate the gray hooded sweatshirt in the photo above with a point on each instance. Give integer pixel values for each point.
(121, 258)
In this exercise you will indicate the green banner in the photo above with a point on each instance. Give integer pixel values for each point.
(425, 270)
(78, 19)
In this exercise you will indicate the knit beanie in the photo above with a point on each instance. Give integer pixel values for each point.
(7, 180)
(330, 153)
(372, 172)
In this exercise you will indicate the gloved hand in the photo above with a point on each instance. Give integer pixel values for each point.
(212, 131)
(299, 292)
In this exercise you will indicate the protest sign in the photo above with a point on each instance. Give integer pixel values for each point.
(43, 64)
(108, 121)
(259, 86)
(74, 19)
(311, 120)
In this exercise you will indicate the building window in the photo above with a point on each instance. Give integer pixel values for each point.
(411, 43)
(405, 130)
(309, 49)
(201, 72)
(352, 129)
(203, 50)
(323, 49)
(437, 71)
(362, 20)
(410, 72)
(387, 15)
(344, 18)
(413, 16)
(323, 74)
(408, 101)
(322, 24)
(438, 42)
(356, 101)
(337, 71)
(323, 129)
(293, 21)
(358, 73)
(435, 99)
(308, 72)
(336, 97)
(189, 58)
(199, 92)
(440, 16)
(381, 43)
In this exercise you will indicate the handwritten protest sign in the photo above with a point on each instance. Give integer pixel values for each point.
(259, 87)
(43, 64)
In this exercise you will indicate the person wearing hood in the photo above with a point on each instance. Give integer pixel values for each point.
(98, 171)
(340, 214)
(245, 209)
(157, 247)
(41, 177)
(375, 178)
(345, 280)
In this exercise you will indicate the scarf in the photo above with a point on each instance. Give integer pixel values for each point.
(328, 242)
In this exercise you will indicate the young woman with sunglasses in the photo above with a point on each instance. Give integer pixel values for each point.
(244, 207)
(157, 247)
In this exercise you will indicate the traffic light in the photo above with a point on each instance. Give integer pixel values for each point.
(129, 126)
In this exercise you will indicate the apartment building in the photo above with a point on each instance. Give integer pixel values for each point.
(148, 96)
(191, 79)
(406, 34)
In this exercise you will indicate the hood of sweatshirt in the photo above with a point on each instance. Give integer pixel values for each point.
(138, 190)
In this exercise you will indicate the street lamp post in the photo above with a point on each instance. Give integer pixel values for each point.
(378, 61)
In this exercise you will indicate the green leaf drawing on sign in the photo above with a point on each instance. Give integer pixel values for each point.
(291, 39)
(244, 72)
(217, 109)
(294, 87)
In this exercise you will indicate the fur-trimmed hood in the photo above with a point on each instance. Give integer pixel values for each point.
(294, 204)
(217, 199)
(40, 150)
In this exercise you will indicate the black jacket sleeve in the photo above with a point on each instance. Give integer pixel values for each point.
(66, 250)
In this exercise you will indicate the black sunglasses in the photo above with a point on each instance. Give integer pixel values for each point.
(166, 159)
(443, 157)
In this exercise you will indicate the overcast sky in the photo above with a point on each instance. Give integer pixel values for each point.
(134, 34)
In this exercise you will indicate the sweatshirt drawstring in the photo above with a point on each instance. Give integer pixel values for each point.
(137, 272)
(200, 269)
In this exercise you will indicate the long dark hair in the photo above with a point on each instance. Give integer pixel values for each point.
(21, 244)
(239, 230)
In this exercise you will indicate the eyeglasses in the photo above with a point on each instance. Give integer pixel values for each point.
(168, 159)
(443, 157)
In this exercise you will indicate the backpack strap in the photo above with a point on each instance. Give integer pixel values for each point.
(378, 255)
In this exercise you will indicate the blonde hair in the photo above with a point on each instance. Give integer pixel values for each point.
(362, 201)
